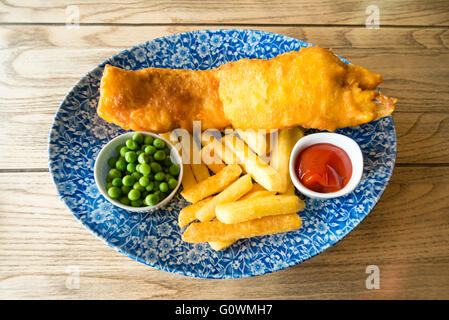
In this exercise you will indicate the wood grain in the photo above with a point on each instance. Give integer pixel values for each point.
(398, 12)
(406, 236)
(39, 65)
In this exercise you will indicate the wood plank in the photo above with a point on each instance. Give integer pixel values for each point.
(406, 236)
(39, 64)
(398, 12)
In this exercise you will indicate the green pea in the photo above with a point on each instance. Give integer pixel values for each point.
(167, 151)
(111, 162)
(152, 199)
(131, 144)
(168, 162)
(120, 165)
(123, 151)
(150, 150)
(117, 149)
(114, 192)
(130, 156)
(174, 170)
(133, 194)
(143, 158)
(148, 140)
(128, 180)
(114, 173)
(136, 175)
(109, 184)
(145, 169)
(131, 167)
(144, 181)
(163, 187)
(125, 189)
(137, 203)
(156, 167)
(117, 182)
(160, 176)
(125, 201)
(138, 138)
(150, 186)
(138, 186)
(159, 155)
(158, 143)
(172, 183)
(139, 152)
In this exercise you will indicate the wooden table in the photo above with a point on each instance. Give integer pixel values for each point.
(407, 234)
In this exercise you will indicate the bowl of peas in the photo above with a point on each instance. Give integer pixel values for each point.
(138, 171)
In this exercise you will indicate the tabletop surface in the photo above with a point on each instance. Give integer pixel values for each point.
(46, 46)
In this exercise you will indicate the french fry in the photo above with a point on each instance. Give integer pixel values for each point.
(165, 135)
(188, 179)
(257, 194)
(255, 139)
(207, 138)
(213, 184)
(233, 192)
(256, 167)
(290, 189)
(200, 170)
(212, 161)
(280, 157)
(256, 191)
(257, 187)
(219, 149)
(192, 156)
(215, 230)
(215, 167)
(298, 133)
(188, 214)
(244, 210)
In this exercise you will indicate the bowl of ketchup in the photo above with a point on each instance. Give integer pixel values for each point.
(326, 165)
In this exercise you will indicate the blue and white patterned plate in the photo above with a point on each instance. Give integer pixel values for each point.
(78, 134)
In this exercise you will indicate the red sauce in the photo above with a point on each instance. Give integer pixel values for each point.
(323, 168)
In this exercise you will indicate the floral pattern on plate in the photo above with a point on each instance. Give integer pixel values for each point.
(78, 134)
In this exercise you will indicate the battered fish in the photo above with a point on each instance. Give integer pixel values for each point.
(160, 100)
(311, 88)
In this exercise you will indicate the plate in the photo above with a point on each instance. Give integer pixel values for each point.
(78, 134)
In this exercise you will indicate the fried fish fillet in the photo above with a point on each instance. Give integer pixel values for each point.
(311, 88)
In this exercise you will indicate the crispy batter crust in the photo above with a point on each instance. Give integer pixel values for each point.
(311, 88)
(160, 100)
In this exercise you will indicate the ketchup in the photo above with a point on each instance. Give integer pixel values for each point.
(323, 168)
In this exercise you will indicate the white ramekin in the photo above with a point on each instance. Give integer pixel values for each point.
(101, 170)
(347, 144)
